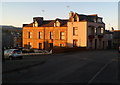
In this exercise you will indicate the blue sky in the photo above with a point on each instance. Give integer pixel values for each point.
(18, 13)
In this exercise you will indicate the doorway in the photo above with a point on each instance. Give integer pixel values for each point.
(95, 43)
(51, 45)
(103, 44)
(40, 46)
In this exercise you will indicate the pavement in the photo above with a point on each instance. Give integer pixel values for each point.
(35, 53)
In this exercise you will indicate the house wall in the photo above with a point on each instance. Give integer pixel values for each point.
(34, 40)
(82, 37)
(101, 43)
(82, 34)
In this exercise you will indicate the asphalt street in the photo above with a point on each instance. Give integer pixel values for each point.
(86, 67)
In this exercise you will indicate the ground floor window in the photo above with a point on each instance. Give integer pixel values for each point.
(29, 45)
(62, 45)
(40, 45)
(74, 43)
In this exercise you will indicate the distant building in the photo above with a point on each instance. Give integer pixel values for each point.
(109, 38)
(11, 37)
(77, 31)
(116, 38)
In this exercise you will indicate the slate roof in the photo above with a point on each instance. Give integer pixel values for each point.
(49, 23)
(63, 22)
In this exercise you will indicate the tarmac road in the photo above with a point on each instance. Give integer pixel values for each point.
(81, 67)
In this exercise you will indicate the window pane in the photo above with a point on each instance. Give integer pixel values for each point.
(40, 45)
(102, 30)
(61, 45)
(74, 43)
(29, 34)
(62, 35)
(40, 35)
(51, 35)
(75, 31)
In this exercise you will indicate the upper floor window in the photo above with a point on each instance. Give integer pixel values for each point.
(29, 34)
(102, 30)
(75, 31)
(62, 35)
(95, 30)
(40, 35)
(91, 30)
(51, 35)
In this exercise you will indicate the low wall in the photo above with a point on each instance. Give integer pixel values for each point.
(64, 50)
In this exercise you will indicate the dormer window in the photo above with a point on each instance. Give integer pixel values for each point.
(99, 20)
(57, 24)
(94, 20)
(75, 19)
(35, 24)
(102, 30)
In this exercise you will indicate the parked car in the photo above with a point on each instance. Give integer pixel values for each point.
(119, 49)
(12, 54)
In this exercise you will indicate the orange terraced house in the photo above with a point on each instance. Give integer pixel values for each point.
(77, 31)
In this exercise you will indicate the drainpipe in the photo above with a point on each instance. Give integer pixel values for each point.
(44, 38)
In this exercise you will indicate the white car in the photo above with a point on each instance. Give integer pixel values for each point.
(12, 54)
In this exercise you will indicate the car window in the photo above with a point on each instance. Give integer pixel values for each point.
(9, 51)
(6, 51)
(17, 51)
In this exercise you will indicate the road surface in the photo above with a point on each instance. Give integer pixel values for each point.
(86, 67)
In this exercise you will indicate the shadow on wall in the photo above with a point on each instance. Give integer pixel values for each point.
(27, 46)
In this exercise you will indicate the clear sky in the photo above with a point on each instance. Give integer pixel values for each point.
(18, 13)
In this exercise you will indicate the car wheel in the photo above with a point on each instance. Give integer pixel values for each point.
(10, 58)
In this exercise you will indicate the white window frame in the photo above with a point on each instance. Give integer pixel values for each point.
(62, 35)
(75, 31)
(40, 35)
(51, 35)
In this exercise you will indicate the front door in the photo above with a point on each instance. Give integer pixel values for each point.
(40, 45)
(103, 44)
(51, 45)
(95, 43)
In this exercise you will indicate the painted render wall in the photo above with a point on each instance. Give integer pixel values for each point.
(82, 33)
